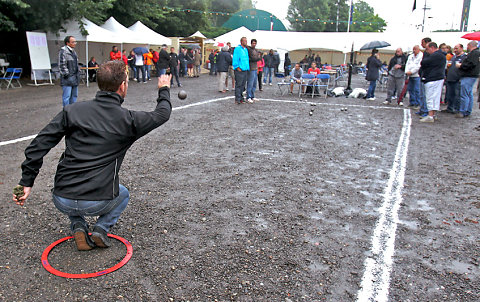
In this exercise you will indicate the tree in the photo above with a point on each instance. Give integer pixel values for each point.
(365, 20)
(321, 15)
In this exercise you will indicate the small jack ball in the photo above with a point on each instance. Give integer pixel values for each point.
(182, 94)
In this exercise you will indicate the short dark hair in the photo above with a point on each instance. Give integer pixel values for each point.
(374, 51)
(110, 75)
(427, 40)
(67, 39)
(253, 40)
(432, 44)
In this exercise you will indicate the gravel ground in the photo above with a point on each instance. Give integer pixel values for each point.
(253, 202)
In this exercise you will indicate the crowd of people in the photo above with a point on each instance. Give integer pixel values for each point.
(426, 73)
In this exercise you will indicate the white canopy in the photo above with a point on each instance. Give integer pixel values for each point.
(336, 41)
(95, 33)
(198, 34)
(126, 35)
(153, 37)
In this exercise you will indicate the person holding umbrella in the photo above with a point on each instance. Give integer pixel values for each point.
(373, 67)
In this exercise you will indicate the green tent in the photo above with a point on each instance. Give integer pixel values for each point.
(254, 19)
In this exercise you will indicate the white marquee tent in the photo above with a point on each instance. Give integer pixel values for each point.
(154, 38)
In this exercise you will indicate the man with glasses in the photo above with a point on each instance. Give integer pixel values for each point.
(69, 71)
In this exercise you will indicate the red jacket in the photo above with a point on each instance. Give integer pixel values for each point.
(115, 55)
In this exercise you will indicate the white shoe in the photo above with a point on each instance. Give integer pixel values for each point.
(394, 97)
(371, 99)
(400, 104)
(427, 119)
(249, 101)
(386, 103)
(255, 100)
(270, 84)
(226, 89)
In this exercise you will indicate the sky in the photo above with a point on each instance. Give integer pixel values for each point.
(443, 14)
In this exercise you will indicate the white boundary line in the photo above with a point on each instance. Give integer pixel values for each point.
(376, 278)
(335, 104)
(17, 140)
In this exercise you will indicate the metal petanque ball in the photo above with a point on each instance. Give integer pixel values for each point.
(182, 94)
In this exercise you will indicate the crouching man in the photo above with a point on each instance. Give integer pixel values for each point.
(97, 134)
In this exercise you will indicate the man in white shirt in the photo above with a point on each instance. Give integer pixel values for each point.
(411, 70)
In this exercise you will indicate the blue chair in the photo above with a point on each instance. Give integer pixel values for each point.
(11, 76)
(323, 81)
(307, 81)
(282, 84)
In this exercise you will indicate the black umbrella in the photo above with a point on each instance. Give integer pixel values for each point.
(374, 44)
(140, 50)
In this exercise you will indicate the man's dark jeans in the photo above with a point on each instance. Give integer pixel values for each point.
(240, 83)
(453, 96)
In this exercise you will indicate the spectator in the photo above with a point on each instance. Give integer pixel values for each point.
(155, 58)
(254, 57)
(411, 70)
(423, 103)
(260, 66)
(69, 71)
(318, 60)
(241, 65)
(396, 75)
(197, 61)
(452, 93)
(115, 54)
(97, 134)
(92, 73)
(231, 72)
(174, 66)
(131, 64)
(433, 75)
(287, 65)
(183, 62)
(147, 58)
(469, 71)
(211, 57)
(139, 66)
(373, 72)
(163, 60)
(276, 62)
(224, 61)
(269, 67)
(190, 63)
(295, 76)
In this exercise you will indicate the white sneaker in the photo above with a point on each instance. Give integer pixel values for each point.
(386, 103)
(400, 104)
(394, 97)
(427, 119)
(270, 84)
(249, 101)
(371, 99)
(226, 89)
(255, 100)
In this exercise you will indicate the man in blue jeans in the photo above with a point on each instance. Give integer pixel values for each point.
(241, 66)
(70, 74)
(254, 57)
(97, 134)
(469, 70)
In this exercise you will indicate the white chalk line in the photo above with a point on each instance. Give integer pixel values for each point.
(21, 139)
(392, 107)
(376, 278)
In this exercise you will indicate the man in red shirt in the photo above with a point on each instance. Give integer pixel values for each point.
(115, 54)
(314, 69)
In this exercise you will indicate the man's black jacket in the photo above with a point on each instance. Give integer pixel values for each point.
(471, 64)
(97, 134)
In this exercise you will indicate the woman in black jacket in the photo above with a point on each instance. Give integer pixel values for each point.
(373, 65)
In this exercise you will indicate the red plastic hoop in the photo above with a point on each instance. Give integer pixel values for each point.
(56, 272)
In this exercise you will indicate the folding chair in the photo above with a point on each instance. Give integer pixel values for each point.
(307, 81)
(282, 84)
(9, 76)
(323, 80)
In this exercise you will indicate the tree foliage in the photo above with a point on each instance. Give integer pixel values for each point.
(371, 21)
(321, 15)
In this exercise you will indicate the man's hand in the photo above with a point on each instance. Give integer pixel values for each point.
(409, 73)
(21, 200)
(397, 66)
(164, 81)
(238, 69)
